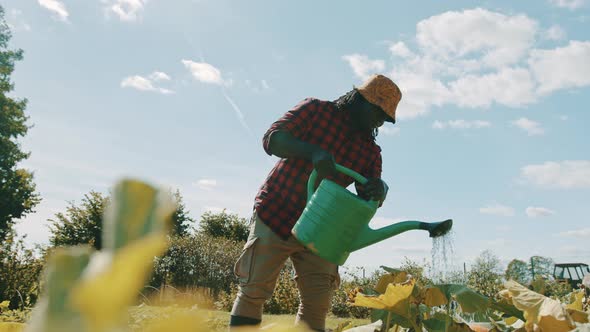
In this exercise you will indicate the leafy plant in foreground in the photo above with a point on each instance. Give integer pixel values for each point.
(399, 300)
(88, 290)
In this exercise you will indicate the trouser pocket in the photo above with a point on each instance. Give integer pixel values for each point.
(244, 264)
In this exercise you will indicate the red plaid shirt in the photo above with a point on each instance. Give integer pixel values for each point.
(283, 196)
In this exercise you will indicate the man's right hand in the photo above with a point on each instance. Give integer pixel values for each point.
(324, 163)
(284, 145)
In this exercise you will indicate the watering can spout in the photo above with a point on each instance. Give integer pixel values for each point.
(335, 222)
(371, 236)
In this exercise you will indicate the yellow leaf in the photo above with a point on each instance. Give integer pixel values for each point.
(579, 316)
(577, 298)
(103, 298)
(394, 299)
(434, 297)
(548, 314)
(510, 320)
(390, 278)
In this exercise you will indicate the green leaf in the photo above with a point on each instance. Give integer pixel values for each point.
(469, 300)
(394, 319)
(64, 270)
(507, 308)
(136, 210)
(391, 269)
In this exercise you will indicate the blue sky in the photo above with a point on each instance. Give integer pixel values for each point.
(491, 129)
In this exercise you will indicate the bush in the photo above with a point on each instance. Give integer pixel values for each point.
(350, 284)
(284, 300)
(198, 261)
(20, 270)
(225, 225)
(551, 288)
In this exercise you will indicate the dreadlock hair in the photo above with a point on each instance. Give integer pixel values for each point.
(350, 102)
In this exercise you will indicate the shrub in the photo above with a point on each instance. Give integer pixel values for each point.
(198, 261)
(285, 298)
(351, 283)
(20, 270)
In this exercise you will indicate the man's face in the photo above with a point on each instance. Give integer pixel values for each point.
(370, 116)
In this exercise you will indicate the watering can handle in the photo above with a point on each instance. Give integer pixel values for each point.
(341, 169)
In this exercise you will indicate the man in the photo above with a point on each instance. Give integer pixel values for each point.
(314, 134)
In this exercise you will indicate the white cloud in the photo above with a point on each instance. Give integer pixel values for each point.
(508, 86)
(206, 184)
(159, 76)
(534, 212)
(531, 127)
(400, 49)
(420, 92)
(205, 72)
(569, 174)
(461, 124)
(146, 84)
(498, 38)
(126, 10)
(570, 4)
(497, 210)
(476, 58)
(56, 7)
(362, 66)
(584, 233)
(555, 32)
(561, 68)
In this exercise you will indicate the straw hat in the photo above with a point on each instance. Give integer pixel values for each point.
(381, 91)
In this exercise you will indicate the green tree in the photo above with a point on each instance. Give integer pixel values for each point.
(485, 274)
(181, 221)
(541, 266)
(17, 189)
(222, 224)
(518, 271)
(82, 224)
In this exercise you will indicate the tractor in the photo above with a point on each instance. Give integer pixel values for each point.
(572, 273)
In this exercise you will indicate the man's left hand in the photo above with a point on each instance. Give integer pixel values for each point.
(375, 189)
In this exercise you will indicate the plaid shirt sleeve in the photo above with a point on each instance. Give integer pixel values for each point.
(374, 171)
(296, 121)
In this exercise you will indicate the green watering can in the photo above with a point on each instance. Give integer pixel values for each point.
(335, 222)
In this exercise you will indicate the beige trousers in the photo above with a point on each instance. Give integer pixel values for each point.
(258, 267)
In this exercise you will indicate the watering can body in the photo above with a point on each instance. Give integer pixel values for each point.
(335, 221)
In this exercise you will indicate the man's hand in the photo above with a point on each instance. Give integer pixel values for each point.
(324, 164)
(375, 189)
